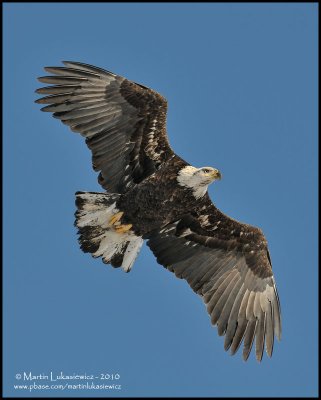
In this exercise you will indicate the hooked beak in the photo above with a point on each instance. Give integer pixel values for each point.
(216, 175)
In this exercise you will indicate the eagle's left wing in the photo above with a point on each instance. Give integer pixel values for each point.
(124, 123)
(228, 264)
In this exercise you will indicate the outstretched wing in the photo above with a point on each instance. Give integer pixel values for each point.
(228, 264)
(124, 123)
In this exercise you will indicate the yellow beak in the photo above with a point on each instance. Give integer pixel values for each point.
(216, 174)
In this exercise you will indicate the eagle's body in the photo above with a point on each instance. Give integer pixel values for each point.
(153, 194)
(161, 198)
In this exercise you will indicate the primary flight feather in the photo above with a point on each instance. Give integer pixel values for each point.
(154, 194)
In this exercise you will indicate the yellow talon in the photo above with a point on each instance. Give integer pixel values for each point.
(115, 218)
(123, 228)
(115, 221)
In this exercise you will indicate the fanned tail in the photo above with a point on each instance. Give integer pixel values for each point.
(98, 235)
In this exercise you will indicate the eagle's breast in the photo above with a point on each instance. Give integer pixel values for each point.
(157, 200)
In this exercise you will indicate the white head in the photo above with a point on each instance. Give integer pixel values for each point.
(198, 179)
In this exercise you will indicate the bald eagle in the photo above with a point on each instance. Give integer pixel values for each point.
(154, 195)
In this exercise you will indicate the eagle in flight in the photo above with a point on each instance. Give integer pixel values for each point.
(154, 195)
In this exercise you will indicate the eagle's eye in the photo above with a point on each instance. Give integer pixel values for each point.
(206, 170)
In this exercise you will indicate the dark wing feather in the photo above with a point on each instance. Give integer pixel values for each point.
(124, 123)
(228, 265)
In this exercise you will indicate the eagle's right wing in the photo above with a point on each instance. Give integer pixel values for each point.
(228, 264)
(124, 123)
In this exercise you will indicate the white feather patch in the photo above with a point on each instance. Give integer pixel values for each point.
(131, 252)
(189, 177)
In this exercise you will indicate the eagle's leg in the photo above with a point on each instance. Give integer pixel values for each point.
(123, 228)
(115, 218)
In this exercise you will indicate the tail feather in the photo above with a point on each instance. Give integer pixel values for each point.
(96, 234)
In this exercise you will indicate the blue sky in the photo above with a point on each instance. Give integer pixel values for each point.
(241, 83)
